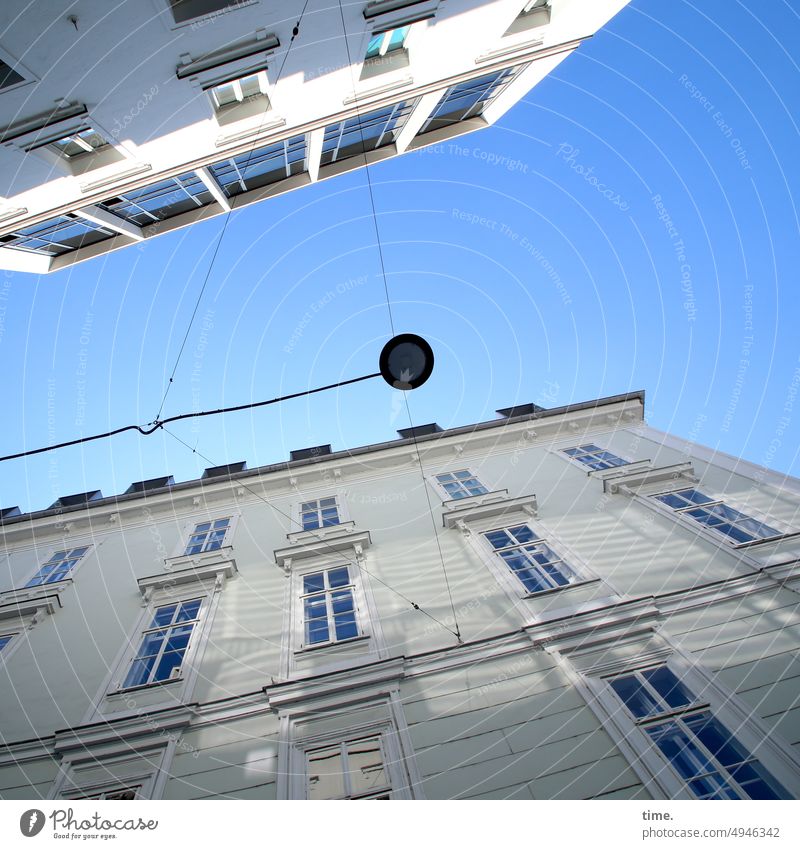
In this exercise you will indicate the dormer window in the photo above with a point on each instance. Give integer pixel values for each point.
(321, 513)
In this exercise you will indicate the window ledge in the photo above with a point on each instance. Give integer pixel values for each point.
(216, 565)
(582, 583)
(346, 540)
(620, 471)
(453, 517)
(301, 537)
(330, 645)
(764, 540)
(640, 477)
(14, 606)
(492, 497)
(123, 691)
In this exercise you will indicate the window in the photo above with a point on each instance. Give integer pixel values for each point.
(468, 99)
(79, 143)
(186, 10)
(717, 515)
(352, 769)
(5, 639)
(160, 200)
(57, 567)
(595, 458)
(116, 794)
(208, 536)
(57, 235)
(329, 609)
(535, 13)
(530, 559)
(366, 132)
(461, 484)
(164, 644)
(387, 42)
(239, 90)
(8, 76)
(710, 760)
(261, 166)
(319, 514)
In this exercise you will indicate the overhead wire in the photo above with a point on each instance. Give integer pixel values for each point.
(321, 539)
(295, 33)
(457, 631)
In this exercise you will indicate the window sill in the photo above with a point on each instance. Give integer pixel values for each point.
(154, 685)
(524, 506)
(329, 645)
(584, 583)
(765, 540)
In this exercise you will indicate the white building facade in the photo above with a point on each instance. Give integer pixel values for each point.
(118, 125)
(558, 603)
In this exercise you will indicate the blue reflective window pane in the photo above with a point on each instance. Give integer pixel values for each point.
(556, 576)
(313, 583)
(673, 500)
(397, 38)
(532, 582)
(202, 527)
(682, 752)
(346, 626)
(328, 502)
(189, 610)
(163, 615)
(151, 644)
(374, 46)
(667, 685)
(523, 533)
(342, 602)
(311, 522)
(338, 577)
(638, 701)
(315, 607)
(169, 661)
(498, 539)
(221, 523)
(317, 631)
(712, 787)
(139, 672)
(757, 783)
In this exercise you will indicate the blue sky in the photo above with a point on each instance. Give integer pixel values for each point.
(629, 225)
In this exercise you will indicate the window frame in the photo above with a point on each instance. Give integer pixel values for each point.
(20, 69)
(343, 744)
(360, 605)
(445, 495)
(189, 651)
(240, 98)
(590, 672)
(70, 576)
(678, 716)
(188, 529)
(164, 13)
(708, 532)
(342, 510)
(12, 643)
(562, 451)
(514, 585)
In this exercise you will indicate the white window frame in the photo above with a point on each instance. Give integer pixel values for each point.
(341, 507)
(379, 734)
(189, 526)
(361, 608)
(653, 768)
(11, 646)
(70, 575)
(581, 573)
(701, 529)
(445, 495)
(236, 84)
(396, 744)
(583, 466)
(90, 773)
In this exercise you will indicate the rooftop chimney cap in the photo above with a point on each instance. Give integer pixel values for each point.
(310, 453)
(419, 430)
(520, 410)
(224, 471)
(153, 483)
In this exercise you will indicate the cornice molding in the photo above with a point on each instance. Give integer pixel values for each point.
(458, 517)
(346, 541)
(633, 479)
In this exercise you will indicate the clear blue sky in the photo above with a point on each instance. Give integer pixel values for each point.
(638, 232)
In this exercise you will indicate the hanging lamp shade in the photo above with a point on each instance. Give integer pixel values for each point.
(406, 361)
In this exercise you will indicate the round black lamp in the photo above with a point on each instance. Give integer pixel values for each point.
(406, 361)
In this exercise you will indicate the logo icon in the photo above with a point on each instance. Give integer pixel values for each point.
(31, 822)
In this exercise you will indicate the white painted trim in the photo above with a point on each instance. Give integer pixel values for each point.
(314, 152)
(107, 219)
(207, 179)
(418, 116)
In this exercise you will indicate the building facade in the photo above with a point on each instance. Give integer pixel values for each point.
(560, 603)
(118, 125)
